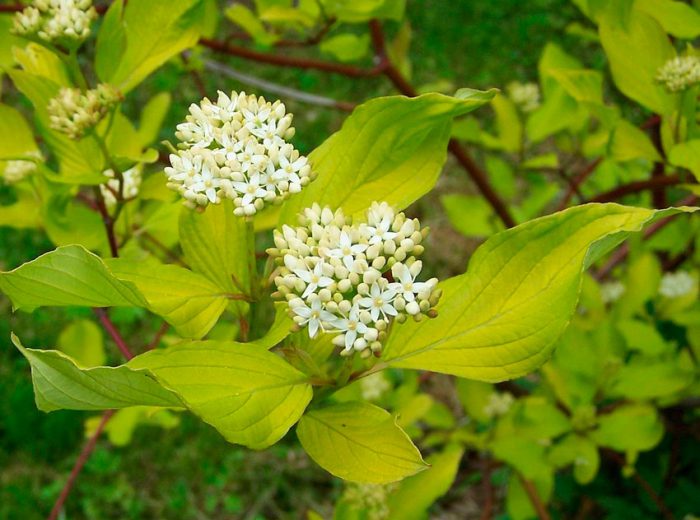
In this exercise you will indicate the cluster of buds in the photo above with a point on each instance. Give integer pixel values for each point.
(353, 280)
(74, 112)
(129, 187)
(499, 404)
(680, 73)
(19, 169)
(524, 95)
(371, 499)
(237, 148)
(610, 292)
(62, 21)
(676, 285)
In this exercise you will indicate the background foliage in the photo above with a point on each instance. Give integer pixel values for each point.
(607, 427)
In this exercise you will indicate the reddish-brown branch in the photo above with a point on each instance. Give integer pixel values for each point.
(463, 157)
(79, 463)
(158, 336)
(619, 256)
(535, 499)
(576, 183)
(113, 332)
(290, 61)
(637, 186)
(487, 489)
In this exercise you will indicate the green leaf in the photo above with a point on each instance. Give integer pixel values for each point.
(642, 336)
(120, 428)
(635, 51)
(359, 442)
(82, 341)
(188, 301)
(501, 319)
(390, 149)
(17, 137)
(634, 427)
(627, 142)
(246, 20)
(644, 379)
(359, 11)
(69, 275)
(475, 396)
(153, 32)
(59, 383)
(585, 86)
(346, 47)
(111, 41)
(417, 493)
(580, 452)
(677, 18)
(215, 244)
(510, 129)
(250, 395)
(152, 116)
(469, 214)
(687, 155)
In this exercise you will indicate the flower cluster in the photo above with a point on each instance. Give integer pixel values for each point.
(612, 291)
(371, 499)
(524, 95)
(679, 73)
(498, 404)
(74, 112)
(353, 279)
(675, 285)
(56, 20)
(237, 148)
(130, 189)
(19, 169)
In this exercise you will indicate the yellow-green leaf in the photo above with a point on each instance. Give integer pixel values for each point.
(359, 442)
(501, 319)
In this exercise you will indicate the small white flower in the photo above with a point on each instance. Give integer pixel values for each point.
(675, 285)
(314, 316)
(406, 284)
(351, 326)
(347, 251)
(679, 73)
(251, 190)
(314, 278)
(612, 291)
(206, 182)
(63, 21)
(524, 95)
(379, 301)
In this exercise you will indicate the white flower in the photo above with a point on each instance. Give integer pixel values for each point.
(351, 326)
(675, 285)
(499, 404)
(313, 278)
(130, 189)
(18, 170)
(406, 284)
(205, 182)
(74, 112)
(379, 301)
(373, 386)
(314, 316)
(524, 95)
(612, 291)
(347, 251)
(328, 259)
(242, 139)
(679, 73)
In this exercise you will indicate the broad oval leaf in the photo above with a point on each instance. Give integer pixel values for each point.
(215, 243)
(151, 33)
(390, 149)
(188, 301)
(59, 383)
(500, 319)
(359, 442)
(69, 275)
(250, 395)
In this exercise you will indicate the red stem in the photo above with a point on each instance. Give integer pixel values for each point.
(291, 61)
(577, 182)
(79, 463)
(113, 332)
(535, 499)
(635, 187)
